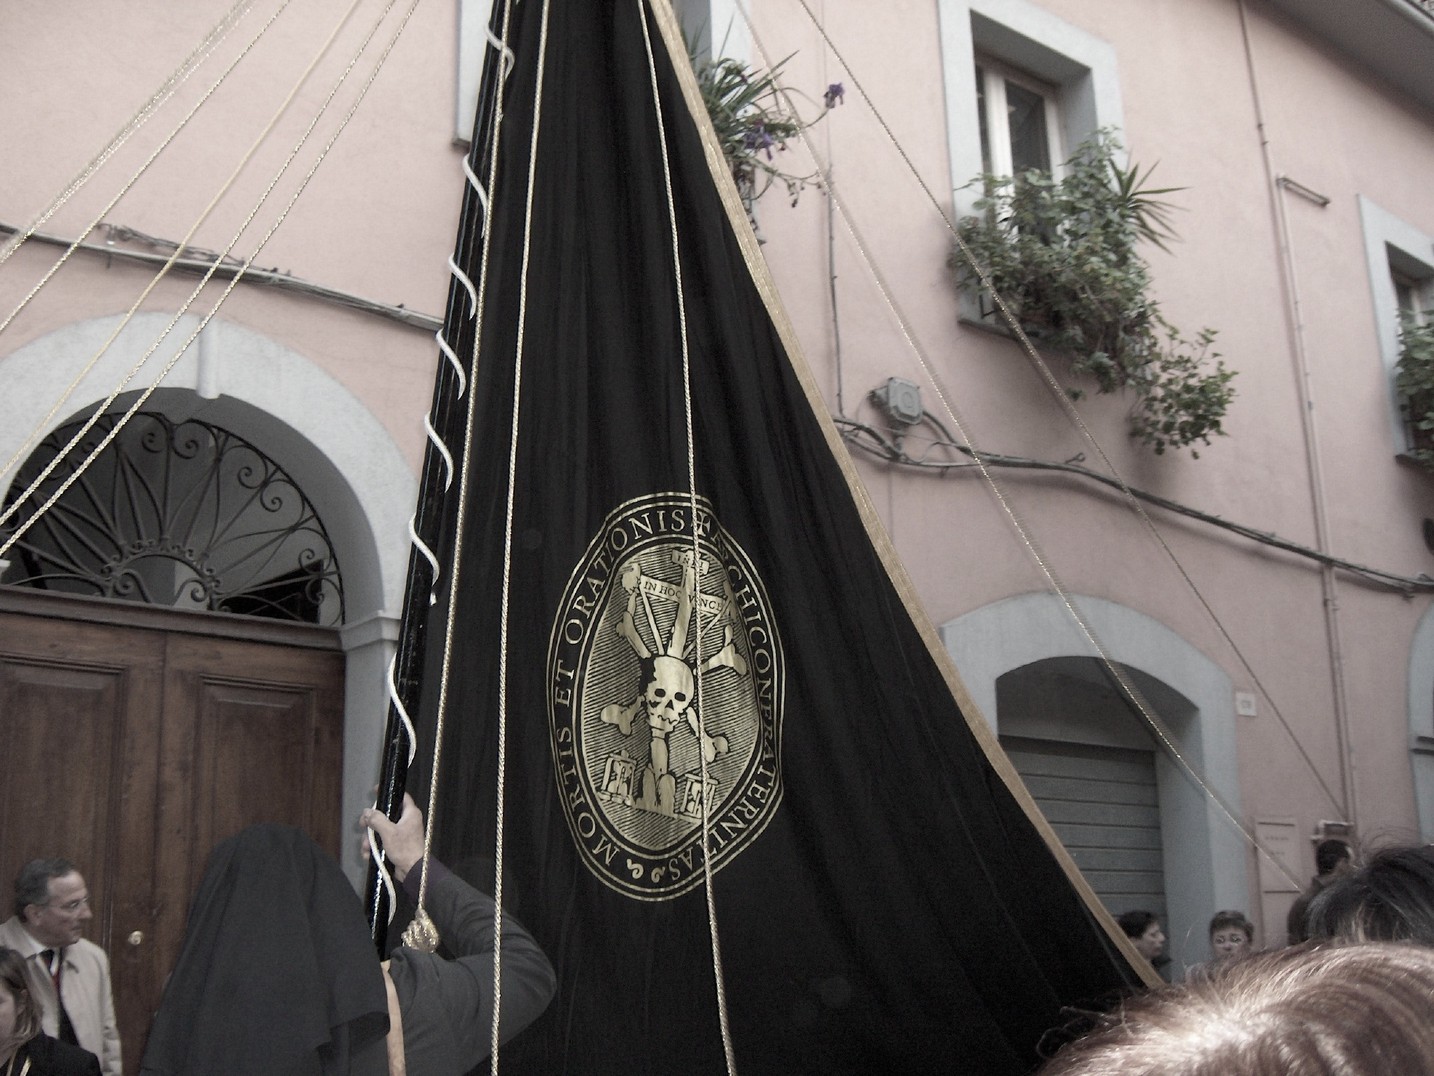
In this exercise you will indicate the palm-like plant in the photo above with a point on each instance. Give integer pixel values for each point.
(1064, 257)
(754, 123)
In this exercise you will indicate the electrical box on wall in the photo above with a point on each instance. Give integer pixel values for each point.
(900, 399)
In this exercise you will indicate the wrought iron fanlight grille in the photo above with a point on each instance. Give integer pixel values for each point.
(181, 514)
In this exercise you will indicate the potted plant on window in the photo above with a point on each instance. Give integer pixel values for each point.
(1062, 255)
(754, 121)
(1414, 384)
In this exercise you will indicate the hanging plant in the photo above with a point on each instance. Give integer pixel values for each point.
(1414, 384)
(754, 124)
(1063, 256)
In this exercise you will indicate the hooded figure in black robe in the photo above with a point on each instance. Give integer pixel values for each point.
(278, 973)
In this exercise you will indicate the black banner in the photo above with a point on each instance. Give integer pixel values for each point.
(737, 652)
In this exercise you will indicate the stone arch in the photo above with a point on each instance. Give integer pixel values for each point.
(1206, 862)
(323, 435)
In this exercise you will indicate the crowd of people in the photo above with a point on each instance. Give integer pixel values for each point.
(276, 939)
(1349, 993)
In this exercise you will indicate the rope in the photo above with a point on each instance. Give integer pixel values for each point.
(373, 846)
(144, 396)
(679, 294)
(501, 808)
(166, 89)
(45, 423)
(435, 571)
(1155, 724)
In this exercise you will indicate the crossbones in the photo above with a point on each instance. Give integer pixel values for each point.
(667, 684)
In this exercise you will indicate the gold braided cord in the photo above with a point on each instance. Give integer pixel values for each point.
(508, 529)
(663, 13)
(239, 273)
(44, 423)
(177, 78)
(1132, 694)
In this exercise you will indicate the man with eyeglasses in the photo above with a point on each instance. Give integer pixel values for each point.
(69, 975)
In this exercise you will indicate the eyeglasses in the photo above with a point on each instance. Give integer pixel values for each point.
(70, 907)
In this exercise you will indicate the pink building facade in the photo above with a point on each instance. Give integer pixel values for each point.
(1291, 697)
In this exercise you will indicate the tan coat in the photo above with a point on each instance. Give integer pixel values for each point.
(86, 983)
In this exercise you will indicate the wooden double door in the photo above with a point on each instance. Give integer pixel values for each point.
(133, 739)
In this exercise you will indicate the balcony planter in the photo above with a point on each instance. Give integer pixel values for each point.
(1062, 254)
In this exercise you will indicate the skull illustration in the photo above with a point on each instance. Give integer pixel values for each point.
(668, 693)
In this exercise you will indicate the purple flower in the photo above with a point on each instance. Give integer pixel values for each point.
(758, 138)
(835, 92)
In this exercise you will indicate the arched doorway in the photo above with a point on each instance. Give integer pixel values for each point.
(1091, 766)
(1204, 860)
(167, 725)
(326, 439)
(140, 731)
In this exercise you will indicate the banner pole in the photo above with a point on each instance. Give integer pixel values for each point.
(433, 515)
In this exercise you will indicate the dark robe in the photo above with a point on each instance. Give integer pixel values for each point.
(278, 974)
(51, 1057)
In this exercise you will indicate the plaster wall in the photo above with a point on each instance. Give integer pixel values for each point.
(1224, 99)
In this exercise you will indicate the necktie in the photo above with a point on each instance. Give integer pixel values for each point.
(55, 964)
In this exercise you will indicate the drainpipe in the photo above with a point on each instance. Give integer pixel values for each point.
(1300, 359)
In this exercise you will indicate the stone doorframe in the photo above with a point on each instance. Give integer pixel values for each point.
(329, 442)
(1206, 859)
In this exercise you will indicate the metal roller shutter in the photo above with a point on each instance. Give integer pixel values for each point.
(1102, 803)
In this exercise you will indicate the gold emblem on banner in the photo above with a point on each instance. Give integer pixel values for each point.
(665, 679)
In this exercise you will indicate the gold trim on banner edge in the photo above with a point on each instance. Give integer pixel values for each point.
(876, 531)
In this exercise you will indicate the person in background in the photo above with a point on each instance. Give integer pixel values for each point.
(1143, 929)
(1332, 861)
(1390, 898)
(1145, 933)
(69, 976)
(1356, 1010)
(25, 1050)
(1231, 935)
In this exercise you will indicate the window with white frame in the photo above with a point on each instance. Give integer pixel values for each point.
(715, 28)
(1399, 259)
(1412, 295)
(1021, 84)
(1017, 119)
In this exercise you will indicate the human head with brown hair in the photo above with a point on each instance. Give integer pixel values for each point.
(19, 1017)
(1332, 856)
(1231, 934)
(1143, 929)
(1358, 1010)
(1390, 898)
